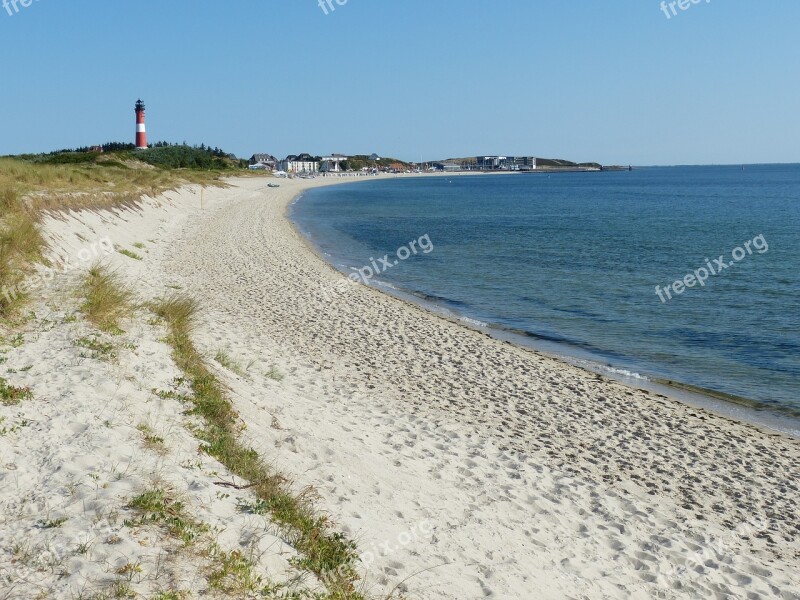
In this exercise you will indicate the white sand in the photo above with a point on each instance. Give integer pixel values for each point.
(465, 467)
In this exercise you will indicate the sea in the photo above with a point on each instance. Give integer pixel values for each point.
(683, 277)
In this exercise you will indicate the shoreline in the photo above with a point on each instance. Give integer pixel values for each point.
(697, 427)
(545, 412)
(746, 411)
(462, 466)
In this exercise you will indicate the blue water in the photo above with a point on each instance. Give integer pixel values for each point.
(575, 258)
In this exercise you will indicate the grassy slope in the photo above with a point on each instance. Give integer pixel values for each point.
(29, 188)
(327, 554)
(100, 180)
(21, 243)
(32, 185)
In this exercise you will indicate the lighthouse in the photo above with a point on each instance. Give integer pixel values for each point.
(141, 133)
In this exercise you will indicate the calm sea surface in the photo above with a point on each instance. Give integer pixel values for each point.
(573, 261)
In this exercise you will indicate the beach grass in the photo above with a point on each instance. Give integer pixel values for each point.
(274, 374)
(156, 505)
(92, 347)
(11, 396)
(129, 253)
(104, 182)
(170, 595)
(231, 573)
(31, 188)
(152, 442)
(327, 554)
(21, 243)
(108, 299)
(224, 359)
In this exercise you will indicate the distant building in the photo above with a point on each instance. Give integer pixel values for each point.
(374, 157)
(494, 163)
(505, 163)
(525, 163)
(264, 161)
(448, 166)
(300, 163)
(332, 163)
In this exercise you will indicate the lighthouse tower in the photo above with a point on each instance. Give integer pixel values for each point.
(141, 133)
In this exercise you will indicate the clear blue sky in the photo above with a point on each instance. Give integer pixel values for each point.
(613, 81)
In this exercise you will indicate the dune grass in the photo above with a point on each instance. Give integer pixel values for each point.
(31, 187)
(323, 552)
(11, 396)
(21, 243)
(93, 347)
(157, 506)
(224, 359)
(230, 573)
(105, 182)
(152, 442)
(129, 253)
(274, 374)
(108, 299)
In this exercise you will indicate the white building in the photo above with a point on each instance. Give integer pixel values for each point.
(265, 162)
(332, 163)
(300, 164)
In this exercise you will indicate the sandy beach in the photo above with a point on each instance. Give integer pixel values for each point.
(463, 466)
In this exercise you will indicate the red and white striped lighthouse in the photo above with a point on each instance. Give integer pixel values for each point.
(141, 132)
